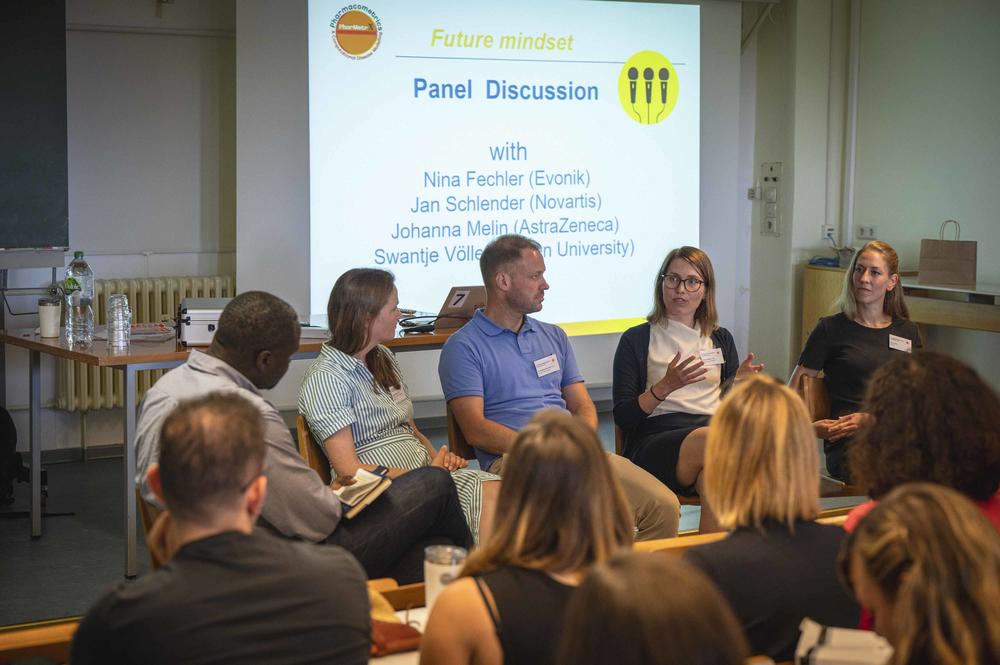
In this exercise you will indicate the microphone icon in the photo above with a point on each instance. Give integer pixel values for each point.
(647, 74)
(633, 75)
(664, 79)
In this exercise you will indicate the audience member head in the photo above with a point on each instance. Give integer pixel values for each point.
(650, 609)
(362, 312)
(760, 459)
(257, 334)
(673, 298)
(560, 508)
(926, 563)
(934, 419)
(873, 274)
(211, 458)
(513, 271)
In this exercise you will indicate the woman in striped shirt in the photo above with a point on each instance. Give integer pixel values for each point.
(355, 401)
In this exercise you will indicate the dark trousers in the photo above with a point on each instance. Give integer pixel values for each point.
(388, 537)
(836, 459)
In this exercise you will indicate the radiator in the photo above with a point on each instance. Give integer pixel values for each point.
(81, 387)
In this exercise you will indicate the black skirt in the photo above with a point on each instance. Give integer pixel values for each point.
(656, 445)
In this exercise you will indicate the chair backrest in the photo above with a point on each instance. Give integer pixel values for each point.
(813, 391)
(457, 443)
(678, 546)
(147, 515)
(310, 450)
(49, 640)
(619, 440)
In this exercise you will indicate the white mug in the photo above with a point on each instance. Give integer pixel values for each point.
(442, 564)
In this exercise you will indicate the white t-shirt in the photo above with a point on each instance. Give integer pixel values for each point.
(666, 338)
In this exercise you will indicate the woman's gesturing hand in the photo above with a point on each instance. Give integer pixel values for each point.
(679, 374)
(747, 367)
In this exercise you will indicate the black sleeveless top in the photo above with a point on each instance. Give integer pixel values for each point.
(528, 609)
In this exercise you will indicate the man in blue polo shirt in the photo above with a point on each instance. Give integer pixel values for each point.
(503, 366)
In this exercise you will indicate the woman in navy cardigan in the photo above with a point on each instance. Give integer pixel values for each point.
(670, 372)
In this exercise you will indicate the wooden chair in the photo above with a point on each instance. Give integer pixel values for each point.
(457, 443)
(817, 399)
(147, 515)
(403, 597)
(49, 640)
(813, 392)
(311, 451)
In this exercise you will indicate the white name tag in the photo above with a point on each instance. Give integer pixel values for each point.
(547, 365)
(398, 394)
(711, 356)
(900, 344)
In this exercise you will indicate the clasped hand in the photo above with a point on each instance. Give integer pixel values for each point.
(835, 429)
(449, 460)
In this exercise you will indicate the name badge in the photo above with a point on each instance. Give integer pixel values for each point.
(398, 395)
(547, 365)
(900, 344)
(711, 356)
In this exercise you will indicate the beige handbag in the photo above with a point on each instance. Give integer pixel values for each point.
(950, 262)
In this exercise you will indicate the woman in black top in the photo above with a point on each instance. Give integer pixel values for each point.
(777, 565)
(873, 327)
(559, 511)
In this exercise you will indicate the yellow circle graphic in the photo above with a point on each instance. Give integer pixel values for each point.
(647, 87)
(357, 31)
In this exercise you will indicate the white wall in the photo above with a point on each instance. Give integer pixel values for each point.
(273, 188)
(927, 147)
(151, 148)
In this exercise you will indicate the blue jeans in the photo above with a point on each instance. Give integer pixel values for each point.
(388, 537)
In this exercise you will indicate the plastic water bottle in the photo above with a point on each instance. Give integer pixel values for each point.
(79, 289)
(119, 320)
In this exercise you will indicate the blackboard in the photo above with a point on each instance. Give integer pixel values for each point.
(33, 168)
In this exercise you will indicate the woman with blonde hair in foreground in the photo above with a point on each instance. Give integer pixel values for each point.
(559, 511)
(926, 563)
(777, 565)
(649, 609)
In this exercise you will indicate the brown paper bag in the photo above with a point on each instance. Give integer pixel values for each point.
(950, 262)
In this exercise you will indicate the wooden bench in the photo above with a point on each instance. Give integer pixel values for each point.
(678, 546)
(53, 639)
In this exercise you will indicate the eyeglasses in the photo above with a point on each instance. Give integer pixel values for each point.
(690, 284)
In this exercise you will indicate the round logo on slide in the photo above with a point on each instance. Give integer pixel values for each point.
(357, 31)
(647, 87)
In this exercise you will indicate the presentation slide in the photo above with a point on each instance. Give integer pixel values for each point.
(435, 127)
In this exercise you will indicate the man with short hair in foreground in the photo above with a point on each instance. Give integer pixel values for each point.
(503, 366)
(255, 339)
(231, 593)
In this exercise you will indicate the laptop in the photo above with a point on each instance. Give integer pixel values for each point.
(459, 307)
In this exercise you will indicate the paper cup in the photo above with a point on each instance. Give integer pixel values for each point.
(48, 317)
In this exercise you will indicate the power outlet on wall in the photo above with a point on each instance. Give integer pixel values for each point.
(770, 219)
(828, 232)
(867, 232)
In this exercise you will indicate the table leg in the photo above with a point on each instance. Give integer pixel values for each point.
(128, 463)
(35, 441)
